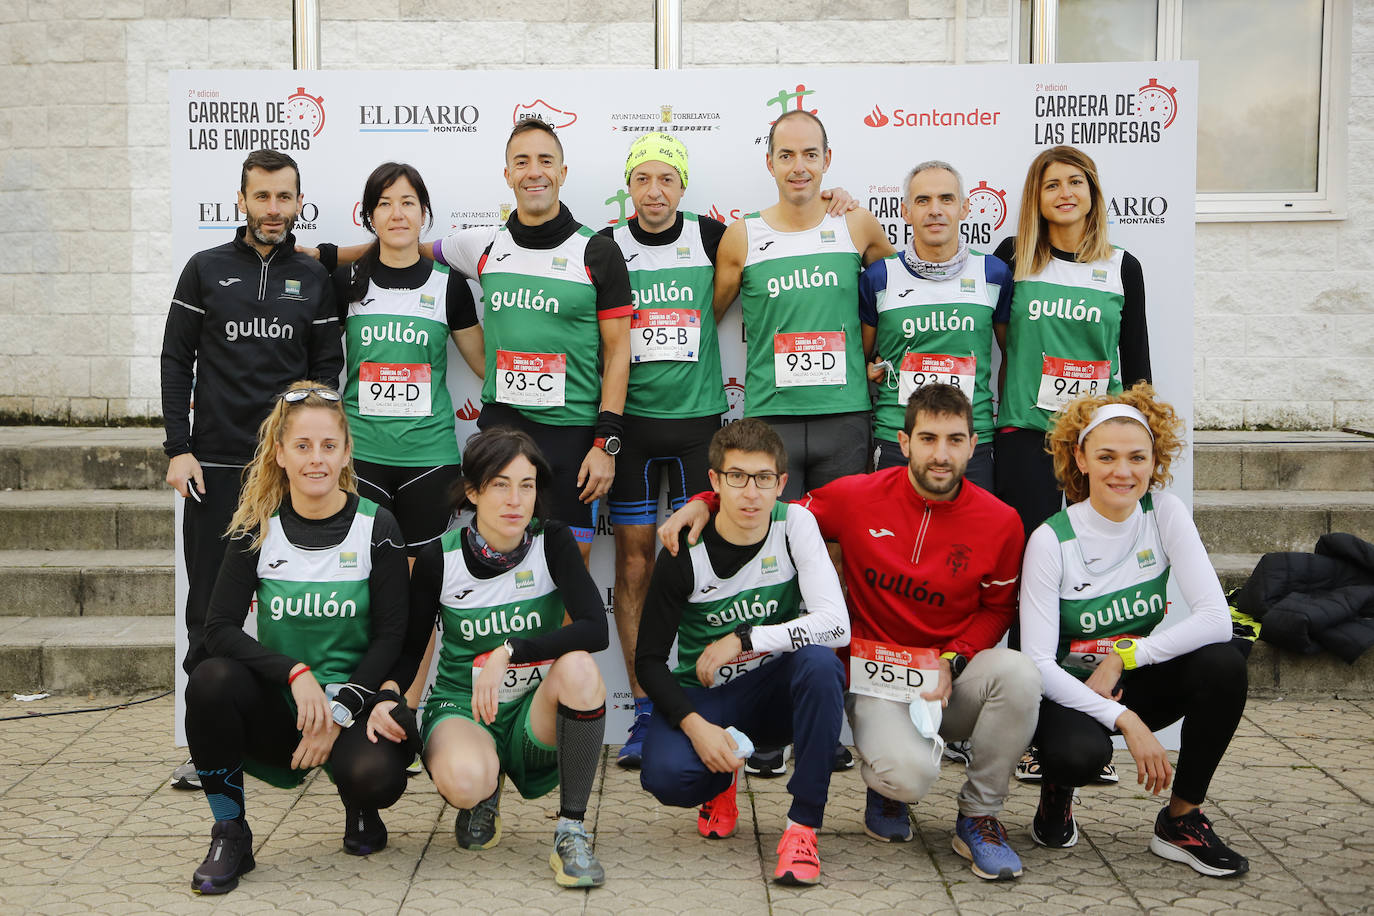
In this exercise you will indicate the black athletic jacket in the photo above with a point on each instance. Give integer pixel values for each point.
(243, 327)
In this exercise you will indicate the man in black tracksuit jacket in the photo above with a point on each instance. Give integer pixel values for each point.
(248, 318)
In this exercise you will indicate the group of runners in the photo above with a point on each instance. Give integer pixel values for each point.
(346, 515)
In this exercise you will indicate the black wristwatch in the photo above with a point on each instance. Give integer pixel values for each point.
(957, 664)
(746, 639)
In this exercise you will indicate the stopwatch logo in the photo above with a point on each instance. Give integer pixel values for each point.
(988, 204)
(1156, 102)
(305, 111)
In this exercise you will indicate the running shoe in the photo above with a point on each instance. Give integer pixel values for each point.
(364, 832)
(1190, 839)
(632, 754)
(230, 855)
(843, 759)
(1108, 775)
(479, 827)
(1028, 769)
(887, 819)
(415, 767)
(983, 842)
(1053, 824)
(799, 861)
(185, 777)
(767, 763)
(719, 817)
(574, 864)
(959, 752)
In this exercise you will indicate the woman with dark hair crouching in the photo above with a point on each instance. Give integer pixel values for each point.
(517, 693)
(1093, 590)
(326, 571)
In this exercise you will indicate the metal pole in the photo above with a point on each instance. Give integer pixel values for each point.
(667, 34)
(1044, 31)
(305, 34)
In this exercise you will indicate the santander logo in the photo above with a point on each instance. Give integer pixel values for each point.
(876, 118)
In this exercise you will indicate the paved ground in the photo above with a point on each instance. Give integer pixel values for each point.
(88, 824)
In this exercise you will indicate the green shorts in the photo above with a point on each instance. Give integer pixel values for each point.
(530, 764)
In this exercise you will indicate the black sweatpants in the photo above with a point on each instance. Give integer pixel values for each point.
(1023, 476)
(203, 524)
(1205, 688)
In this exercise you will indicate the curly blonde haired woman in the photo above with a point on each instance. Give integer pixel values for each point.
(1093, 591)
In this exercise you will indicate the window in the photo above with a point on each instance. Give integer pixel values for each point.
(1273, 79)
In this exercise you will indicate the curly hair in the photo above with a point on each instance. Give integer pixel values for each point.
(1062, 440)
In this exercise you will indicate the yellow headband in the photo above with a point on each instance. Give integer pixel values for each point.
(657, 147)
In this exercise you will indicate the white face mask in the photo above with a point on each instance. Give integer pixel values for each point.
(925, 715)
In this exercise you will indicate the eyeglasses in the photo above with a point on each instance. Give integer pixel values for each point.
(296, 395)
(765, 480)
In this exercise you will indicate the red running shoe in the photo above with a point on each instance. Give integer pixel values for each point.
(799, 862)
(719, 817)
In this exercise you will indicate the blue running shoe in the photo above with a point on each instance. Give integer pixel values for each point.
(983, 842)
(887, 819)
(632, 754)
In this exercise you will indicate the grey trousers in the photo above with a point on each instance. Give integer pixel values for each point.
(994, 704)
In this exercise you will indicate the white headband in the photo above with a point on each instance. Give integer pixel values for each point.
(1111, 412)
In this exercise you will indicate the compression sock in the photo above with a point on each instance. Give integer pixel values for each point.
(224, 792)
(579, 736)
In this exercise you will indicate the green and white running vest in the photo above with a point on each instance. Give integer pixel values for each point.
(1063, 340)
(543, 341)
(935, 331)
(674, 351)
(800, 298)
(396, 396)
(477, 615)
(763, 591)
(1096, 606)
(314, 605)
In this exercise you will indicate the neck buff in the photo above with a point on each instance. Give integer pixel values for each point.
(935, 270)
(492, 558)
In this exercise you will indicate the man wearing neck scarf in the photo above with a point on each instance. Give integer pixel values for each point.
(556, 324)
(929, 312)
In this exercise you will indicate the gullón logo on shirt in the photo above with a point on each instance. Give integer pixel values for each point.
(524, 579)
(1099, 276)
(426, 301)
(560, 263)
(293, 287)
(684, 253)
(769, 565)
(827, 237)
(967, 285)
(348, 559)
(1145, 558)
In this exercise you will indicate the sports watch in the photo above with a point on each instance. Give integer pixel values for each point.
(343, 716)
(957, 663)
(1125, 647)
(745, 633)
(608, 444)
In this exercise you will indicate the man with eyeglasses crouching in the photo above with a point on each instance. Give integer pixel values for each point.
(751, 667)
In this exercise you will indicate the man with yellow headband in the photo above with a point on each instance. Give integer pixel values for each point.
(675, 397)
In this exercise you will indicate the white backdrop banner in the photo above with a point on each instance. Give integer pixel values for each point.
(1137, 120)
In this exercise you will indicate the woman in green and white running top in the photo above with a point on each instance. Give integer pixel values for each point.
(1077, 323)
(399, 310)
(517, 693)
(1093, 591)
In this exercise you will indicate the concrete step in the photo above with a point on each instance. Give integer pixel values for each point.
(1233, 569)
(74, 655)
(1275, 672)
(1260, 521)
(1248, 460)
(81, 458)
(87, 583)
(86, 519)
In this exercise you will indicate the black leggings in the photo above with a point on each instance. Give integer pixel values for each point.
(1206, 688)
(1023, 476)
(231, 716)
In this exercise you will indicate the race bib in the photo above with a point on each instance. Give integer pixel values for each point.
(665, 334)
(394, 389)
(531, 379)
(808, 359)
(742, 664)
(1087, 654)
(519, 679)
(1062, 380)
(887, 672)
(921, 369)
